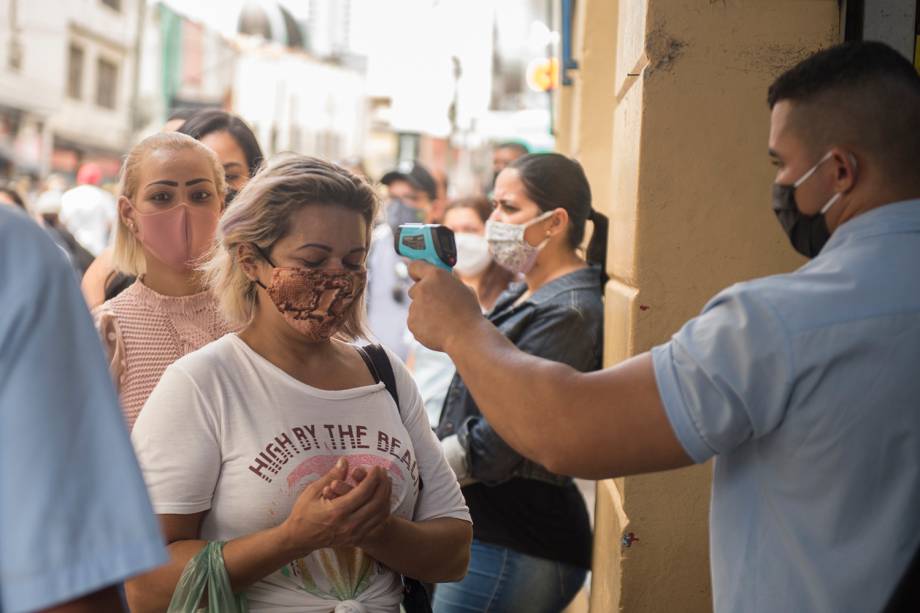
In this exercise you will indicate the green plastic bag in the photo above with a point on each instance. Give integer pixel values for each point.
(206, 574)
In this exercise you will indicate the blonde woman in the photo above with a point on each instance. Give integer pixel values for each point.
(172, 193)
(282, 441)
(239, 153)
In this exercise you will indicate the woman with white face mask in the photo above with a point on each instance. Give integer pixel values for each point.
(532, 536)
(467, 217)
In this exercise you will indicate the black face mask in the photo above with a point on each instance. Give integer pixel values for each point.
(807, 233)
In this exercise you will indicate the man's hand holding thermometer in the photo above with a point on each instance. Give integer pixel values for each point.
(442, 306)
(432, 243)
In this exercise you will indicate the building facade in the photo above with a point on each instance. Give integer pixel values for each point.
(67, 72)
(667, 112)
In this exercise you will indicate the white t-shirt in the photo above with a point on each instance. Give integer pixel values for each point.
(226, 430)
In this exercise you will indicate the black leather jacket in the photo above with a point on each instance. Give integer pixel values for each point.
(563, 322)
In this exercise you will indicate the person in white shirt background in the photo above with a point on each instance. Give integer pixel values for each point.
(88, 211)
(411, 194)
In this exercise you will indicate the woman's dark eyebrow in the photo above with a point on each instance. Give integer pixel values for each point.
(176, 184)
(326, 248)
(232, 165)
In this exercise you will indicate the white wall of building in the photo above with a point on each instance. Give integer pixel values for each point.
(296, 103)
(43, 31)
(411, 44)
(36, 84)
(102, 33)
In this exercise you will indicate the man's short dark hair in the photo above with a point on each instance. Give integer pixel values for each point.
(862, 94)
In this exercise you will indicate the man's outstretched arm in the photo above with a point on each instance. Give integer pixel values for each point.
(593, 425)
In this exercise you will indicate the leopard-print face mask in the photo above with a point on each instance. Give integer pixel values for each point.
(315, 301)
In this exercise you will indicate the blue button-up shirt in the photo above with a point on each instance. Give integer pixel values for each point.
(74, 512)
(807, 388)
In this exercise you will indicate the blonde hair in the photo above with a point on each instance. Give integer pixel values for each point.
(128, 257)
(260, 215)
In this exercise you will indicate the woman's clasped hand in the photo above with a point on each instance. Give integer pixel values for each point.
(343, 508)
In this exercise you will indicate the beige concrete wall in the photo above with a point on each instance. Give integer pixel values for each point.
(668, 116)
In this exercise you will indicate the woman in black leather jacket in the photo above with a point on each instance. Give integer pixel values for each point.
(532, 536)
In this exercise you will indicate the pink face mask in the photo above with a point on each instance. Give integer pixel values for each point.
(178, 236)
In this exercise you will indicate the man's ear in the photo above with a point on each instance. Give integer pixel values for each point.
(846, 169)
(127, 215)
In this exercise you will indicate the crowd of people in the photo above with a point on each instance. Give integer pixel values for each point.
(244, 370)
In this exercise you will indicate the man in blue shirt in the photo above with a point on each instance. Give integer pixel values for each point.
(75, 519)
(806, 386)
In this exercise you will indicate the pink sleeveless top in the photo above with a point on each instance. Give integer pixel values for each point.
(144, 332)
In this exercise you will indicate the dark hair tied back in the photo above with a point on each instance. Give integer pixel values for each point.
(555, 181)
(597, 248)
(209, 121)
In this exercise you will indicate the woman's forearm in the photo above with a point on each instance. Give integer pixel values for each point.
(434, 551)
(247, 559)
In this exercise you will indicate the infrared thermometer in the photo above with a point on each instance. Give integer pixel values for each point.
(432, 243)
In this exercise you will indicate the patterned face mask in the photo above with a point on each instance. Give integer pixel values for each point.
(508, 246)
(314, 301)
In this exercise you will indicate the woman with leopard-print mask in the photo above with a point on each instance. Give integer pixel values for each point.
(282, 442)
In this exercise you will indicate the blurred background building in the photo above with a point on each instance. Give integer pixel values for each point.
(438, 80)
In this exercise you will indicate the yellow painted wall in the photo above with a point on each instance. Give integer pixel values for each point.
(668, 116)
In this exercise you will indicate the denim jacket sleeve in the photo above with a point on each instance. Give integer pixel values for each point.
(556, 332)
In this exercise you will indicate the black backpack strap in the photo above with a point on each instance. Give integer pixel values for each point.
(416, 596)
(362, 351)
(378, 362)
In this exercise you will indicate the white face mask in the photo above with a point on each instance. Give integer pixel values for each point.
(508, 247)
(472, 254)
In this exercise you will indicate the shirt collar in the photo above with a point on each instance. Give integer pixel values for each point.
(894, 218)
